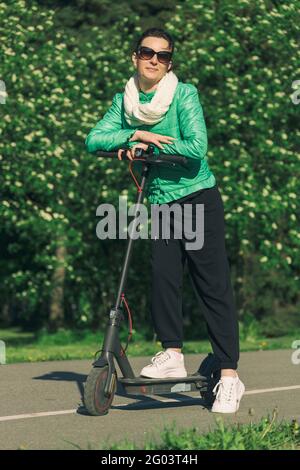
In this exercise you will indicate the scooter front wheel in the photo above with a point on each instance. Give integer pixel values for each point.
(95, 400)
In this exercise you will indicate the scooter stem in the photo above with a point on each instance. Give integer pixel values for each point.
(123, 278)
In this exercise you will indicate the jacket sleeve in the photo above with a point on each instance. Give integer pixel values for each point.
(192, 127)
(108, 135)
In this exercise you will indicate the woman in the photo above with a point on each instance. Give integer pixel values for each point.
(158, 109)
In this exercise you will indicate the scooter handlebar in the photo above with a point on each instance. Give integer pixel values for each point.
(148, 157)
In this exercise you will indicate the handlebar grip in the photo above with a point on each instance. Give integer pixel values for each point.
(177, 159)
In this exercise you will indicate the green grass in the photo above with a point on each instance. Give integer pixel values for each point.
(65, 344)
(266, 434)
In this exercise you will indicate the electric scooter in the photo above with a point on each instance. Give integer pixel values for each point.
(102, 381)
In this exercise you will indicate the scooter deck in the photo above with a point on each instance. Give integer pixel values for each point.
(148, 386)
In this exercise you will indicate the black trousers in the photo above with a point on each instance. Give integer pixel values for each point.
(210, 275)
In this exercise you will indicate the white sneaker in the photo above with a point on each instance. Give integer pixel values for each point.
(165, 364)
(228, 396)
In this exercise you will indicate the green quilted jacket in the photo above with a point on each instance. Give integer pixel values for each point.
(184, 121)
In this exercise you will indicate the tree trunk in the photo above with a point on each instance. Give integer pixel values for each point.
(56, 316)
(5, 315)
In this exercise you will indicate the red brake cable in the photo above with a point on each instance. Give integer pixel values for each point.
(130, 322)
(132, 174)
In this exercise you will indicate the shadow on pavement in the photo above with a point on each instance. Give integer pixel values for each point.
(145, 401)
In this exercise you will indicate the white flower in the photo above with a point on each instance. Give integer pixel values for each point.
(279, 246)
(29, 137)
(288, 259)
(45, 215)
(46, 140)
(265, 192)
(58, 151)
(263, 259)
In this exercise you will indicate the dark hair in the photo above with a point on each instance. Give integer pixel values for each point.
(157, 33)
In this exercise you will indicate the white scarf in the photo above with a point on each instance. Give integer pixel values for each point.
(137, 113)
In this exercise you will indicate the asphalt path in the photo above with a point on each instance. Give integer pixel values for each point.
(41, 403)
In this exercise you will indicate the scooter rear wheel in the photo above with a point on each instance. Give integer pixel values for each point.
(208, 395)
(210, 368)
(95, 401)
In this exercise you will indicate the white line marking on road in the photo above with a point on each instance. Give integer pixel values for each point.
(170, 400)
(267, 390)
(37, 415)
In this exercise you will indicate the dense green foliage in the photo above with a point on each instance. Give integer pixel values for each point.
(243, 57)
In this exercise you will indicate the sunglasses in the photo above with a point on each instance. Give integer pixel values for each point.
(146, 53)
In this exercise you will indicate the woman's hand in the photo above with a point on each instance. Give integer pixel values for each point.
(130, 152)
(152, 138)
